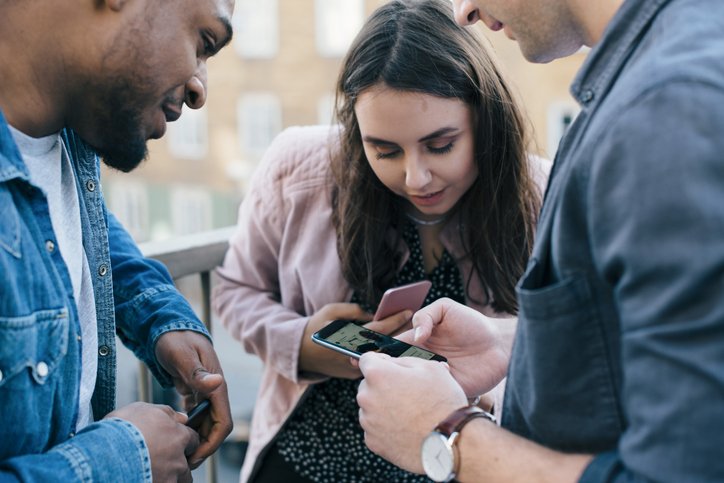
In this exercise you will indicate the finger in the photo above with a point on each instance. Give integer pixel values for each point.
(392, 323)
(407, 336)
(185, 477)
(348, 311)
(205, 382)
(181, 418)
(370, 361)
(426, 319)
(192, 441)
(215, 427)
(172, 413)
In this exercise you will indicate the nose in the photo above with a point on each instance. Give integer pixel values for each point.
(417, 174)
(196, 88)
(466, 13)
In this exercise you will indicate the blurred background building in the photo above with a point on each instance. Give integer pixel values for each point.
(280, 71)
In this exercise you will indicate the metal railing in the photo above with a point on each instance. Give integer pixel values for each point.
(183, 256)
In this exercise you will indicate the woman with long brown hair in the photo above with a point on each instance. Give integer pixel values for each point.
(426, 177)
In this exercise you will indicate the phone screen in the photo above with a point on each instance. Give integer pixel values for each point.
(350, 338)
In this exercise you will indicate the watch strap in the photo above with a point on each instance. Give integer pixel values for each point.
(460, 417)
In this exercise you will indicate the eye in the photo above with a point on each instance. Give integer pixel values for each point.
(386, 151)
(436, 149)
(209, 44)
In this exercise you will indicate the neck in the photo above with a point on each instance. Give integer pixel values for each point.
(594, 17)
(33, 43)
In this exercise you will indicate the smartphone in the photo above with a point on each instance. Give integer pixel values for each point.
(405, 297)
(352, 339)
(197, 413)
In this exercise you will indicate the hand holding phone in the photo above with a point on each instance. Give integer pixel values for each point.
(405, 297)
(197, 414)
(352, 339)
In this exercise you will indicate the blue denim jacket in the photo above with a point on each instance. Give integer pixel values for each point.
(40, 346)
(620, 343)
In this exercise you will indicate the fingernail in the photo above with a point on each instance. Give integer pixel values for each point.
(418, 332)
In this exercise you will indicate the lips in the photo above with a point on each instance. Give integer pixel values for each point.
(427, 199)
(172, 113)
(168, 113)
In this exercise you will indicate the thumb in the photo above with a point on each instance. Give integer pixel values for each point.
(205, 381)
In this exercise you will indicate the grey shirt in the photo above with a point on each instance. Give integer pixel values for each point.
(620, 343)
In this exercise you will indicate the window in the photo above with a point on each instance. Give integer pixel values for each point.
(561, 115)
(129, 202)
(256, 28)
(188, 136)
(337, 24)
(260, 119)
(191, 210)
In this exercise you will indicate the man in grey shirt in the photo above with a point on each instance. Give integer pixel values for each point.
(617, 372)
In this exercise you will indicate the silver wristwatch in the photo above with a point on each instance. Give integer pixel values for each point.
(439, 449)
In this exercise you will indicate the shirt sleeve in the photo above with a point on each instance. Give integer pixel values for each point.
(248, 296)
(108, 450)
(147, 303)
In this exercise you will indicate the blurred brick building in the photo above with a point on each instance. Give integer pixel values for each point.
(280, 71)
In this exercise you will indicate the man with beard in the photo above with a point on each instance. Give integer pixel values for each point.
(84, 80)
(617, 372)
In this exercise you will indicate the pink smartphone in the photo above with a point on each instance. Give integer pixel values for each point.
(406, 297)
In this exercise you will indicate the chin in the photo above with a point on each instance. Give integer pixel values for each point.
(542, 53)
(124, 156)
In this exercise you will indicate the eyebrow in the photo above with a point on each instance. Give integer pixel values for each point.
(436, 134)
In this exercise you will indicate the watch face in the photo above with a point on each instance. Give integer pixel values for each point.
(438, 458)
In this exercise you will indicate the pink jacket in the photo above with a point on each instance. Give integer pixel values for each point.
(282, 266)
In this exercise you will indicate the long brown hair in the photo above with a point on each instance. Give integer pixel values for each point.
(415, 45)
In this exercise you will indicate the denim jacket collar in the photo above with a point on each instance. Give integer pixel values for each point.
(11, 162)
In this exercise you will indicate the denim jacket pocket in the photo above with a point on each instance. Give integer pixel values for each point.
(31, 347)
(563, 383)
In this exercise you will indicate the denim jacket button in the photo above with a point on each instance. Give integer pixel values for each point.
(71, 434)
(42, 369)
(50, 246)
(104, 350)
(102, 270)
(587, 96)
(91, 185)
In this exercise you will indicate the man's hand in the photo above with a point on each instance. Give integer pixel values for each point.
(169, 441)
(401, 400)
(321, 360)
(191, 361)
(476, 349)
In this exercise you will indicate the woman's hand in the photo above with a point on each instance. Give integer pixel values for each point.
(321, 360)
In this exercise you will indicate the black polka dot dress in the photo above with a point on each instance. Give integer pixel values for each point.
(323, 441)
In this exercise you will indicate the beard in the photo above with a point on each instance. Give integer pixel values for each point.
(121, 140)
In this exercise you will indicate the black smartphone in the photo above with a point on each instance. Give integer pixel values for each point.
(197, 413)
(350, 338)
